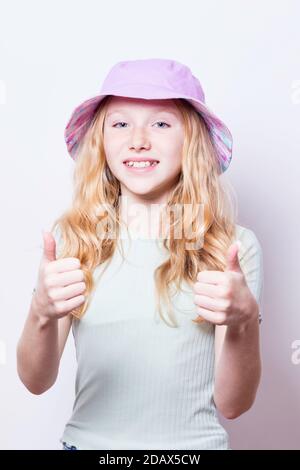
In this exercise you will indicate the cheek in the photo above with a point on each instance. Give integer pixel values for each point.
(109, 159)
(177, 147)
(171, 168)
(174, 160)
(109, 139)
(111, 150)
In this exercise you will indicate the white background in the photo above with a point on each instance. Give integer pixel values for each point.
(53, 55)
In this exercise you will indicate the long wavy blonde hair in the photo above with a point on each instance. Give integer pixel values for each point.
(96, 202)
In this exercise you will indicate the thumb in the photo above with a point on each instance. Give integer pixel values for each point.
(233, 263)
(49, 251)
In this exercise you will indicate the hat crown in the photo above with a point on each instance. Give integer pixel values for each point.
(169, 74)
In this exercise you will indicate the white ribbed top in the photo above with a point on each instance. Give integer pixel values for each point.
(141, 384)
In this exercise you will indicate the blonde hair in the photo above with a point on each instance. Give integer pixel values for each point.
(96, 202)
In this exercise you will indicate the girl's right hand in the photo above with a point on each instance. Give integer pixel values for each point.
(60, 284)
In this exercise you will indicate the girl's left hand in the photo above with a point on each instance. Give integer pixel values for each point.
(223, 297)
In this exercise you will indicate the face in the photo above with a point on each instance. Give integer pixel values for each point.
(137, 129)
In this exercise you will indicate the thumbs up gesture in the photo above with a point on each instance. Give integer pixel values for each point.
(60, 284)
(224, 298)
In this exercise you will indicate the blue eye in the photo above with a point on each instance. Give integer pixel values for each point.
(118, 123)
(160, 122)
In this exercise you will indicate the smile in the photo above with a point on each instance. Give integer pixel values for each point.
(141, 166)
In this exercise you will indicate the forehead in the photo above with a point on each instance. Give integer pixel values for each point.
(118, 103)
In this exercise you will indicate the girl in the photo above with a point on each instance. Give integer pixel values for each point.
(165, 318)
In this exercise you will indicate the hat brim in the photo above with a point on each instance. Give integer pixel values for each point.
(83, 114)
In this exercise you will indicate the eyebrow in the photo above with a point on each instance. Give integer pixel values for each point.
(163, 109)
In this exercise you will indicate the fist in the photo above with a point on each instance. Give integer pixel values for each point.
(223, 297)
(60, 285)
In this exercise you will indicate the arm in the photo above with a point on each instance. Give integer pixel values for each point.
(238, 366)
(230, 300)
(59, 290)
(237, 348)
(40, 348)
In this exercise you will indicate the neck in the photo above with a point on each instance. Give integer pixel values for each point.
(141, 219)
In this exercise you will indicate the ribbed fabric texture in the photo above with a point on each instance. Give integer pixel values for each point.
(141, 384)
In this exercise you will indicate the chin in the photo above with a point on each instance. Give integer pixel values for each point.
(141, 188)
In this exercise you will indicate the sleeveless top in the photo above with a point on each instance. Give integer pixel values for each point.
(141, 384)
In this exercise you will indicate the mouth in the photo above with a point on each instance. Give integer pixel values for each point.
(140, 160)
(141, 164)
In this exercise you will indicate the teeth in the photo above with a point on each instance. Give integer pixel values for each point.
(140, 164)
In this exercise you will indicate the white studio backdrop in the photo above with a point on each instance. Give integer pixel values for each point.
(246, 54)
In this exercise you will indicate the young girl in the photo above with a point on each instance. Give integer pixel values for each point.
(166, 317)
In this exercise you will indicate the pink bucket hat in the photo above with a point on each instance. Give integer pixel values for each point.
(151, 79)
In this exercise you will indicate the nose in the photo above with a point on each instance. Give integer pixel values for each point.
(139, 139)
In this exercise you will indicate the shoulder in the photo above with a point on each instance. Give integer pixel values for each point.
(246, 235)
(251, 247)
